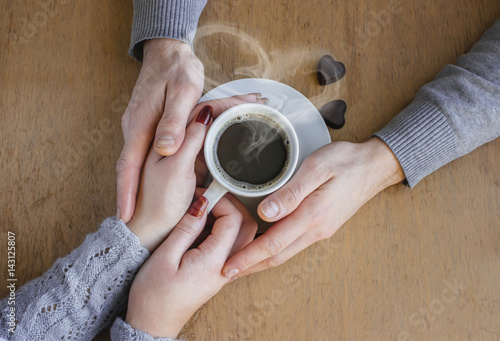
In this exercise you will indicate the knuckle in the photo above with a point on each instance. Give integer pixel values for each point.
(291, 195)
(274, 262)
(170, 123)
(323, 234)
(272, 246)
(237, 218)
(186, 229)
(315, 211)
(186, 87)
(121, 164)
(191, 135)
(254, 227)
(318, 167)
(128, 159)
(124, 122)
(199, 71)
(183, 84)
(196, 63)
(194, 74)
(246, 263)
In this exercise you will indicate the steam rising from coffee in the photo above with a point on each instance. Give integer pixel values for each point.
(270, 65)
(253, 150)
(258, 138)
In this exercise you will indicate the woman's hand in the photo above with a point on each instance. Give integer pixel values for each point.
(177, 280)
(329, 187)
(168, 183)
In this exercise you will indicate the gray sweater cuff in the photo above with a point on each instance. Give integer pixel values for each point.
(176, 19)
(81, 293)
(421, 138)
(122, 331)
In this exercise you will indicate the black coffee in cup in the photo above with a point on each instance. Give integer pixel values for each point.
(253, 151)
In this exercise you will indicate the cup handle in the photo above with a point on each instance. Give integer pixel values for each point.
(213, 194)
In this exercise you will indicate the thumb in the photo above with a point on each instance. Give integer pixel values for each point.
(128, 168)
(195, 136)
(179, 102)
(285, 200)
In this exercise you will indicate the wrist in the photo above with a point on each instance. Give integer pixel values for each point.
(164, 47)
(383, 163)
(146, 234)
(148, 324)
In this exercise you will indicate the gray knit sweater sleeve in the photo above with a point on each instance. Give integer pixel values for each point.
(176, 19)
(452, 115)
(81, 293)
(121, 331)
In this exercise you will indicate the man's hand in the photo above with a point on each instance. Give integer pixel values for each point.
(329, 187)
(169, 86)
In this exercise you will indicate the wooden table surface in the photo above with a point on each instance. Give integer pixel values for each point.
(419, 264)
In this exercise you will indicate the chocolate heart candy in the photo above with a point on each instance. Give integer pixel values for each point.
(333, 113)
(330, 70)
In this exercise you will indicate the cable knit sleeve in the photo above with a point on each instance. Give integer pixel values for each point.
(452, 115)
(121, 331)
(81, 293)
(176, 19)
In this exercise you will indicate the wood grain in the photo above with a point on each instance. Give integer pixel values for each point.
(419, 264)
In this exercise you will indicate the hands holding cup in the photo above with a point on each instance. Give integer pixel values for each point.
(251, 150)
(316, 201)
(328, 188)
(166, 291)
(168, 183)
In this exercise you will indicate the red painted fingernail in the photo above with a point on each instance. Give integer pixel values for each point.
(198, 207)
(205, 115)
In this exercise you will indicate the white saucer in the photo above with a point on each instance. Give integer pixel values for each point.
(311, 130)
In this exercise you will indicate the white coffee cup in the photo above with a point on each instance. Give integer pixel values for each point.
(223, 182)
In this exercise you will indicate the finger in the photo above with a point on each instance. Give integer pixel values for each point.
(195, 136)
(291, 250)
(186, 231)
(179, 102)
(277, 238)
(272, 242)
(224, 232)
(128, 168)
(209, 223)
(201, 169)
(223, 104)
(313, 173)
(248, 227)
